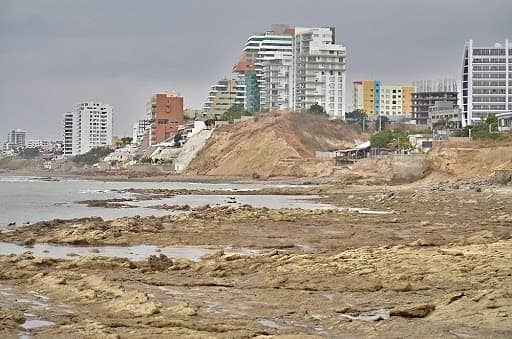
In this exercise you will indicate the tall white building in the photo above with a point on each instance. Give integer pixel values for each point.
(319, 71)
(16, 139)
(270, 57)
(88, 126)
(277, 82)
(486, 81)
(293, 69)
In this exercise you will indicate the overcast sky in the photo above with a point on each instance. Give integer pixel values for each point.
(56, 53)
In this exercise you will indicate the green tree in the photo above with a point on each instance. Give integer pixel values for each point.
(358, 117)
(442, 123)
(29, 153)
(394, 140)
(234, 112)
(126, 140)
(92, 157)
(316, 109)
(492, 122)
(381, 123)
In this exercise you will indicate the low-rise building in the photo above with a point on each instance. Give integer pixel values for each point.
(444, 112)
(421, 142)
(504, 121)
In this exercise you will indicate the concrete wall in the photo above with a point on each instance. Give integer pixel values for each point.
(408, 168)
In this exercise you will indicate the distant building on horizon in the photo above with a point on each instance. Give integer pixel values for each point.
(427, 94)
(486, 81)
(139, 128)
(16, 140)
(165, 112)
(375, 99)
(90, 125)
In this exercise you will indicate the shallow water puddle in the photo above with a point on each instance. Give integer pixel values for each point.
(270, 324)
(134, 253)
(36, 323)
(363, 210)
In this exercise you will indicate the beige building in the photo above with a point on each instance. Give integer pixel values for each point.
(224, 94)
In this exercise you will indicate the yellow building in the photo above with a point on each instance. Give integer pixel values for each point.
(388, 100)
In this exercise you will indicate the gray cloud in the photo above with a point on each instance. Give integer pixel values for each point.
(55, 53)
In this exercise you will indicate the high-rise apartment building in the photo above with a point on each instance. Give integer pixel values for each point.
(375, 99)
(16, 139)
(165, 111)
(222, 95)
(272, 47)
(427, 94)
(139, 128)
(486, 81)
(319, 71)
(90, 125)
(293, 69)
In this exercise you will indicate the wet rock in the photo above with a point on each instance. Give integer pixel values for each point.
(421, 242)
(185, 309)
(368, 316)
(11, 318)
(232, 256)
(29, 241)
(159, 263)
(419, 311)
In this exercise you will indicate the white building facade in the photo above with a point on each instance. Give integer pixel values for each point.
(271, 55)
(319, 75)
(16, 140)
(89, 126)
(486, 81)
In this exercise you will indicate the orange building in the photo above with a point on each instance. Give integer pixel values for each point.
(165, 110)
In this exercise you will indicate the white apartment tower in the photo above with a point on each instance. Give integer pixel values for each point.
(278, 83)
(271, 55)
(89, 126)
(319, 71)
(486, 81)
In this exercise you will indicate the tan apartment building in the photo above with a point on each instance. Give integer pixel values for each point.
(165, 111)
(222, 95)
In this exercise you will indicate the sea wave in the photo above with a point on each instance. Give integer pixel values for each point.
(26, 179)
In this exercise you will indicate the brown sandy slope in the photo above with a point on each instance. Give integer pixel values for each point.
(274, 145)
(470, 159)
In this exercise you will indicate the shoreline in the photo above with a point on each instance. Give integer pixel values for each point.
(430, 266)
(168, 178)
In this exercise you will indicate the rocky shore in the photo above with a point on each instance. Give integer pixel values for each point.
(387, 262)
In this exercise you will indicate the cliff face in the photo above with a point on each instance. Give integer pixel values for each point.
(470, 159)
(273, 145)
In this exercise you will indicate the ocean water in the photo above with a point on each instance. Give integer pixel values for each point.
(29, 199)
